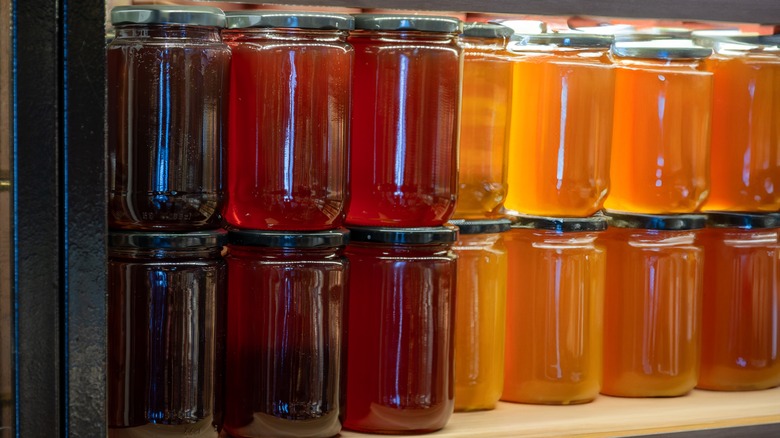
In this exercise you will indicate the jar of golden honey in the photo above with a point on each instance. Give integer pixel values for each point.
(741, 312)
(561, 124)
(480, 313)
(484, 120)
(652, 305)
(745, 161)
(661, 131)
(554, 310)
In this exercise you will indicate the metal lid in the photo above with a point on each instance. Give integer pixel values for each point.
(482, 30)
(572, 39)
(661, 222)
(481, 226)
(289, 19)
(522, 26)
(289, 239)
(747, 221)
(171, 241)
(660, 49)
(163, 14)
(421, 23)
(404, 236)
(560, 224)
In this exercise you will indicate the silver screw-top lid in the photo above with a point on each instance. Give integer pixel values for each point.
(660, 49)
(164, 14)
(569, 39)
(482, 30)
(399, 22)
(289, 19)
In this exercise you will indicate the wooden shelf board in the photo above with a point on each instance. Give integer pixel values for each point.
(612, 416)
(749, 11)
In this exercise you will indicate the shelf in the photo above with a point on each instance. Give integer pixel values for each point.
(610, 416)
(748, 11)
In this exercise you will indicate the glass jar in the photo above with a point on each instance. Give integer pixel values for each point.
(661, 132)
(561, 124)
(165, 304)
(285, 329)
(745, 155)
(405, 110)
(741, 316)
(288, 131)
(167, 86)
(652, 305)
(480, 313)
(554, 306)
(484, 120)
(401, 314)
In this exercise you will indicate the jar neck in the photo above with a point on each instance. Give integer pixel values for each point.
(276, 34)
(168, 32)
(438, 249)
(656, 238)
(403, 36)
(292, 254)
(740, 237)
(167, 253)
(554, 238)
(473, 43)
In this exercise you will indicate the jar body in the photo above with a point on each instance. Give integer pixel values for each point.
(405, 111)
(288, 131)
(167, 89)
(284, 342)
(480, 311)
(401, 311)
(741, 316)
(652, 312)
(560, 139)
(661, 138)
(745, 148)
(163, 338)
(484, 127)
(554, 306)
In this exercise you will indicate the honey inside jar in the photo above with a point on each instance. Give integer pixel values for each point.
(561, 124)
(661, 131)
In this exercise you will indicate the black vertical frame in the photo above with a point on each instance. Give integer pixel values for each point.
(58, 223)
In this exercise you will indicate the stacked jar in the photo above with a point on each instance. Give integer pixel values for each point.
(660, 177)
(559, 150)
(482, 189)
(740, 316)
(403, 186)
(167, 87)
(287, 161)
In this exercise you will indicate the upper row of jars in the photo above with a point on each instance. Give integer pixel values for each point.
(331, 118)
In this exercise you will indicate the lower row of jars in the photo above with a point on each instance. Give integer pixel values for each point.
(298, 335)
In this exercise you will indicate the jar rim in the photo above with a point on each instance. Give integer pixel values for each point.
(166, 240)
(289, 20)
(168, 14)
(402, 22)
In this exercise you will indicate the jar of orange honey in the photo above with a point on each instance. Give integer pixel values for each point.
(741, 312)
(745, 161)
(480, 313)
(561, 124)
(484, 122)
(652, 305)
(661, 131)
(554, 306)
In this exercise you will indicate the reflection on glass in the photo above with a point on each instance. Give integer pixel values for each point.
(6, 395)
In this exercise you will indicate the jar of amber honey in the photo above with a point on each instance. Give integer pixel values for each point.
(405, 112)
(741, 319)
(561, 124)
(484, 120)
(553, 311)
(652, 305)
(661, 132)
(400, 343)
(745, 147)
(288, 133)
(479, 313)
